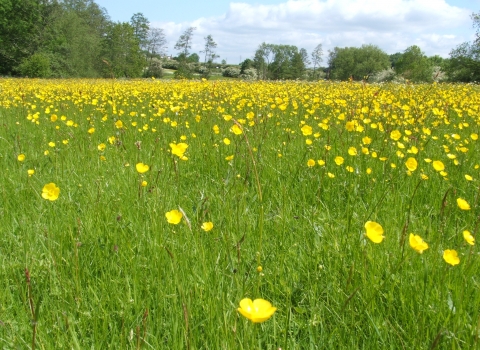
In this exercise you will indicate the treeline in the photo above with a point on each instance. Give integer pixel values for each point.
(73, 38)
(76, 38)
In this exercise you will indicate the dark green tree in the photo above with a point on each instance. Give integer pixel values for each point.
(464, 62)
(21, 26)
(121, 52)
(356, 62)
(414, 65)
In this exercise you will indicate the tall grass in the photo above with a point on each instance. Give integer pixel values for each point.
(101, 267)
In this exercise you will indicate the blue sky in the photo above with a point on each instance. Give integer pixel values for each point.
(240, 26)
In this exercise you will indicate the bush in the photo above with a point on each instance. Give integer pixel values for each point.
(154, 69)
(249, 74)
(35, 66)
(231, 72)
(170, 64)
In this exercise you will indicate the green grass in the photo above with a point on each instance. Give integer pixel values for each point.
(107, 270)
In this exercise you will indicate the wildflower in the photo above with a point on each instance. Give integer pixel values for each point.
(50, 191)
(178, 149)
(119, 124)
(101, 147)
(468, 177)
(451, 257)
(21, 157)
(237, 130)
(229, 158)
(257, 311)
(310, 163)
(142, 168)
(339, 160)
(144, 183)
(30, 172)
(468, 237)
(306, 130)
(411, 164)
(438, 165)
(226, 141)
(374, 231)
(417, 243)
(174, 217)
(395, 135)
(463, 204)
(91, 130)
(207, 226)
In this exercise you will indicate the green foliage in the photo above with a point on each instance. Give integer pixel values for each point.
(141, 27)
(464, 63)
(358, 63)
(414, 65)
(280, 62)
(122, 52)
(184, 71)
(21, 25)
(35, 66)
(231, 72)
(154, 69)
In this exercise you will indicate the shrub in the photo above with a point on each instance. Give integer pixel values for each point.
(35, 66)
(231, 72)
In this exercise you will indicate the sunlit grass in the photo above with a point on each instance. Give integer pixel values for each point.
(139, 214)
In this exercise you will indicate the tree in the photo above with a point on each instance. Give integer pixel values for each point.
(20, 25)
(156, 42)
(279, 62)
(414, 65)
(356, 62)
(183, 45)
(464, 62)
(209, 52)
(141, 27)
(317, 54)
(121, 51)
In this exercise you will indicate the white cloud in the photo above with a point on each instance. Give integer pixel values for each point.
(393, 25)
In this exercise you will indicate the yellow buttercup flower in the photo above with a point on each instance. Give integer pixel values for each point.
(451, 257)
(339, 160)
(257, 311)
(468, 237)
(21, 157)
(438, 165)
(174, 217)
(411, 164)
(236, 129)
(142, 168)
(207, 226)
(417, 243)
(144, 183)
(30, 172)
(178, 149)
(374, 231)
(463, 204)
(50, 191)
(310, 163)
(306, 130)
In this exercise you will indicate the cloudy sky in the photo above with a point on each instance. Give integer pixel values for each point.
(240, 26)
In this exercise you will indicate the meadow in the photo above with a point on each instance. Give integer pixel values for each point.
(139, 214)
